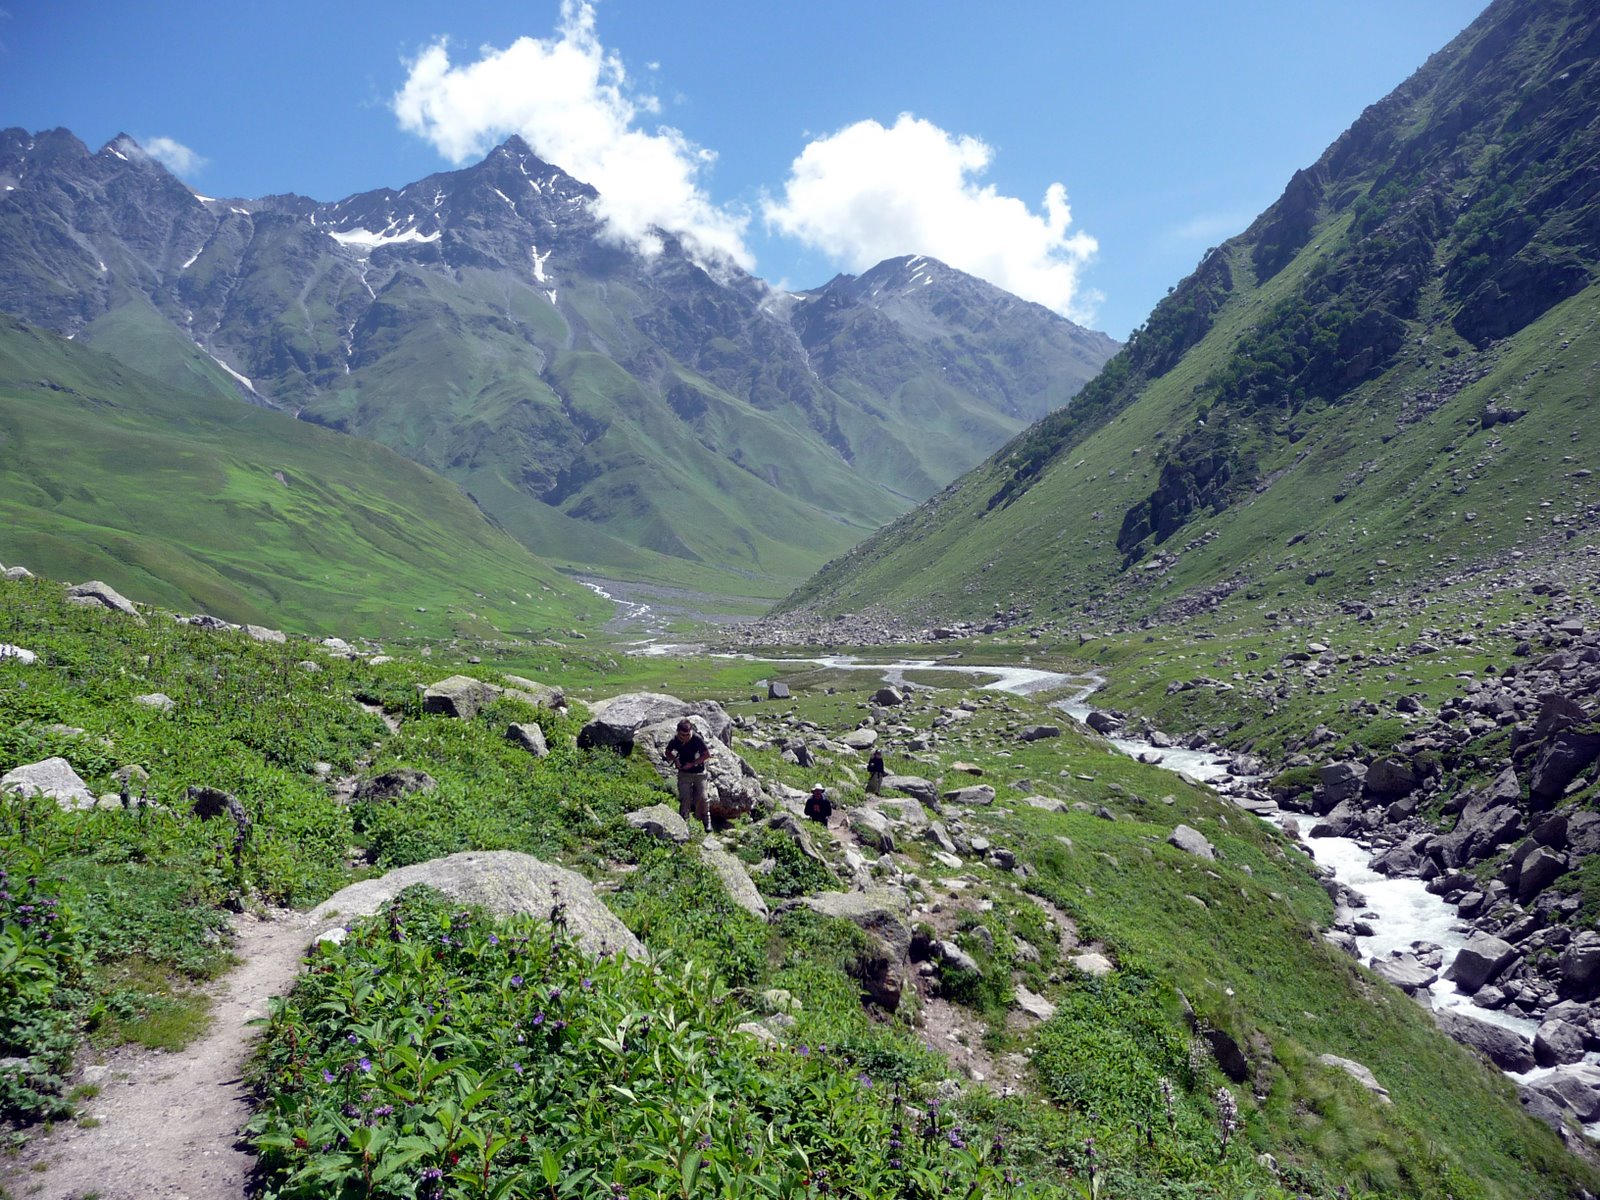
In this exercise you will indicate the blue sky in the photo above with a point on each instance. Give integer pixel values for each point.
(1083, 155)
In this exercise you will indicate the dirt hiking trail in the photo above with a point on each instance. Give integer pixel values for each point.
(169, 1123)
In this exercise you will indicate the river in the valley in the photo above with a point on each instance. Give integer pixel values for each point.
(1399, 911)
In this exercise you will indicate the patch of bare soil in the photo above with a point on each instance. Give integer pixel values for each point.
(166, 1126)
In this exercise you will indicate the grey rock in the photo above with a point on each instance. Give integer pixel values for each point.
(1559, 763)
(95, 592)
(541, 695)
(1191, 841)
(529, 736)
(16, 654)
(1032, 1004)
(907, 813)
(777, 691)
(1579, 965)
(880, 912)
(1575, 1087)
(912, 785)
(1405, 971)
(261, 633)
(860, 739)
(1102, 723)
(661, 822)
(156, 700)
(1505, 1048)
(735, 879)
(978, 793)
(873, 828)
(1093, 963)
(1479, 961)
(1341, 781)
(1390, 777)
(955, 957)
(1361, 1074)
(613, 723)
(459, 696)
(53, 778)
(937, 834)
(502, 881)
(1036, 733)
(17, 573)
(1539, 870)
(888, 697)
(1558, 1042)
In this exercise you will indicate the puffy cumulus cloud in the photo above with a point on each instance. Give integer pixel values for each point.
(173, 155)
(867, 193)
(569, 99)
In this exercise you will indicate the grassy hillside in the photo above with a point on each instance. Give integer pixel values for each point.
(177, 493)
(1116, 1094)
(1392, 369)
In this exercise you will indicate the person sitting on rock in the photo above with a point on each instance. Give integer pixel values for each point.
(818, 807)
(690, 754)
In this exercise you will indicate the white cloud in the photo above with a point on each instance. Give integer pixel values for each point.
(569, 98)
(867, 193)
(173, 155)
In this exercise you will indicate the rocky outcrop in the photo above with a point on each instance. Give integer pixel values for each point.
(94, 593)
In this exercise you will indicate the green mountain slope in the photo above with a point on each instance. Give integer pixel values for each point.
(176, 492)
(1390, 370)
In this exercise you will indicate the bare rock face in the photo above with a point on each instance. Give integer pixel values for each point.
(731, 785)
(103, 594)
(53, 777)
(614, 723)
(504, 882)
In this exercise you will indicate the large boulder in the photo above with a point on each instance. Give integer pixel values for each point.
(502, 881)
(731, 786)
(1191, 841)
(53, 778)
(16, 654)
(1341, 781)
(660, 821)
(1406, 971)
(872, 828)
(105, 596)
(978, 793)
(1539, 870)
(1390, 777)
(459, 696)
(881, 913)
(1479, 961)
(735, 879)
(1575, 1087)
(888, 697)
(1507, 1049)
(914, 786)
(908, 813)
(1558, 1042)
(1559, 763)
(615, 723)
(1579, 965)
(541, 695)
(529, 736)
(860, 739)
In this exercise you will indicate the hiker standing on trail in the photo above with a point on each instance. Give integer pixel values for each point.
(818, 807)
(875, 773)
(689, 753)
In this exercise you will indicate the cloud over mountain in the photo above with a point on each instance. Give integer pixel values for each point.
(868, 193)
(570, 99)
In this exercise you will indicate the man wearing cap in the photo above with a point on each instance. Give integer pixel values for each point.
(818, 807)
(690, 754)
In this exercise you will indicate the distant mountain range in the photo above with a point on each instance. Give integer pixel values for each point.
(651, 417)
(1391, 373)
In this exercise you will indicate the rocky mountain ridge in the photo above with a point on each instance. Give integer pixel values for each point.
(637, 413)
